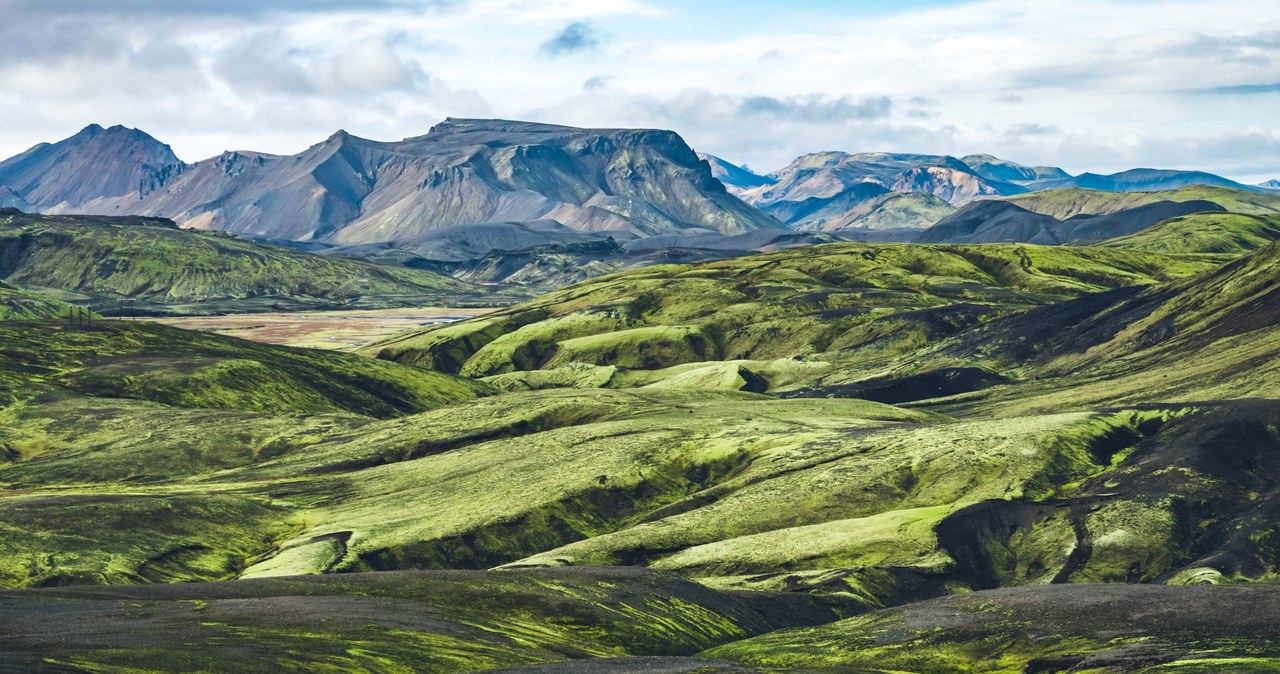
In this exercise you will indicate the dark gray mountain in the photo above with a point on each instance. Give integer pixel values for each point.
(94, 163)
(997, 221)
(465, 242)
(736, 178)
(1142, 180)
(11, 199)
(814, 212)
(992, 222)
(352, 190)
(1086, 228)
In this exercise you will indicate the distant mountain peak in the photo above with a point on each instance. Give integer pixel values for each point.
(464, 172)
(1269, 185)
(93, 164)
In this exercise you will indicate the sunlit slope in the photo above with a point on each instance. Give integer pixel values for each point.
(878, 299)
(874, 503)
(1210, 337)
(1065, 203)
(1205, 233)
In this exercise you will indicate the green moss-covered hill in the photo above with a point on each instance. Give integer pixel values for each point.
(1066, 203)
(152, 362)
(883, 434)
(21, 305)
(1205, 233)
(160, 268)
(873, 300)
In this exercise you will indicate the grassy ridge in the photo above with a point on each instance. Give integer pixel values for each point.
(882, 300)
(1228, 233)
(20, 305)
(1065, 203)
(165, 269)
(147, 361)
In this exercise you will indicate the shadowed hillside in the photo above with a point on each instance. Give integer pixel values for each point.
(161, 268)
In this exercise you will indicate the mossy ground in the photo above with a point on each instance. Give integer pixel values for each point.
(159, 268)
(1122, 437)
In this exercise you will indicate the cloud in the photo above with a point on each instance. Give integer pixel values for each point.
(371, 66)
(261, 63)
(816, 108)
(1242, 89)
(25, 8)
(1031, 129)
(577, 37)
(598, 83)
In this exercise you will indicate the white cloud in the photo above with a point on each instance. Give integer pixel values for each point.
(1091, 85)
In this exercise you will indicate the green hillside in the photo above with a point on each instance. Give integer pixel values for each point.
(160, 268)
(1226, 233)
(845, 457)
(1065, 203)
(873, 301)
(147, 361)
(21, 305)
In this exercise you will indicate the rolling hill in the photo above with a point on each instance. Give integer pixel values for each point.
(998, 221)
(1064, 204)
(829, 457)
(161, 268)
(846, 297)
(1205, 233)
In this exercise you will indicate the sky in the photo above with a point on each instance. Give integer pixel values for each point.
(1088, 85)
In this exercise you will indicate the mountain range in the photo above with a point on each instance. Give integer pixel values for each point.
(470, 186)
(352, 190)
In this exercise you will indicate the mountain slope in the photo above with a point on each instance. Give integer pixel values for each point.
(992, 222)
(162, 268)
(734, 177)
(1067, 203)
(824, 175)
(154, 363)
(952, 181)
(1229, 233)
(995, 221)
(1142, 180)
(351, 190)
(901, 211)
(815, 212)
(866, 299)
(21, 305)
(94, 163)
(410, 621)
(1139, 629)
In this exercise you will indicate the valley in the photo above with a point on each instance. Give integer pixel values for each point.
(339, 330)
(530, 398)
